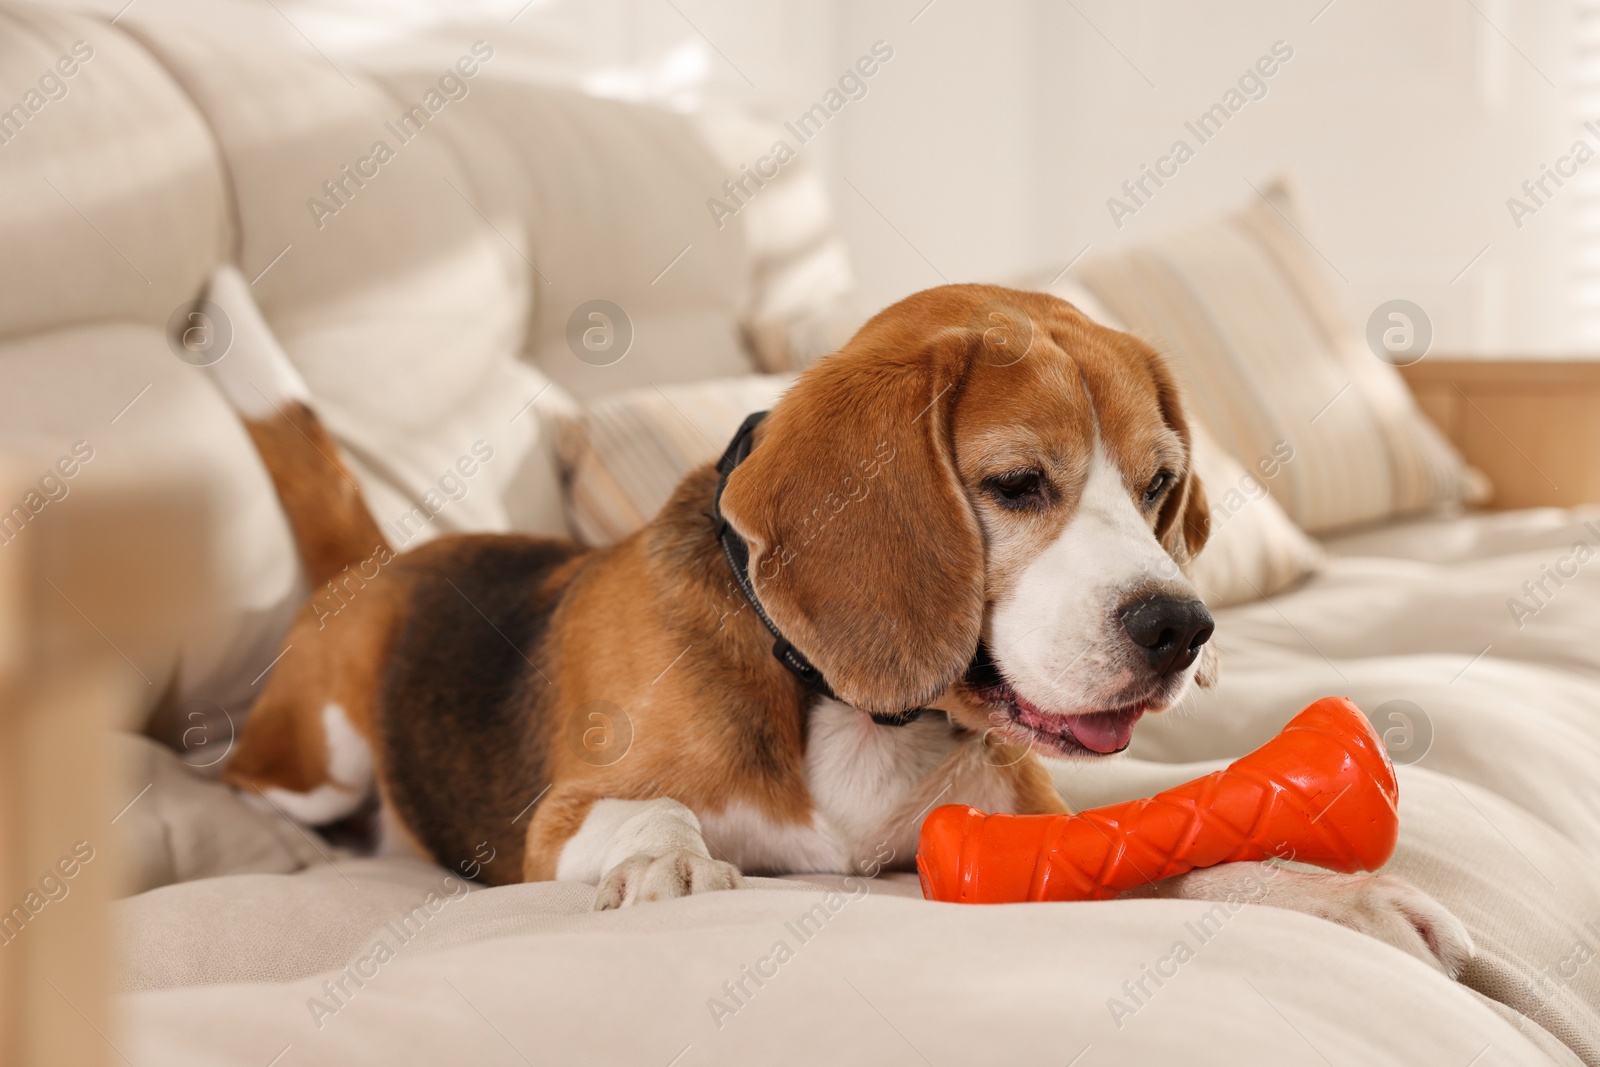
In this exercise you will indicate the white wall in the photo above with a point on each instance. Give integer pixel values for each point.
(1406, 125)
(991, 142)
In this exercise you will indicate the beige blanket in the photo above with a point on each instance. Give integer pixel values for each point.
(367, 960)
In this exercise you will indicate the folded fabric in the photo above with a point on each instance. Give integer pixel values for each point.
(183, 826)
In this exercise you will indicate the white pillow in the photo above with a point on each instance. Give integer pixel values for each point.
(1255, 550)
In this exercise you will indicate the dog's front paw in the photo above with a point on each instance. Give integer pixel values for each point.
(678, 873)
(1389, 909)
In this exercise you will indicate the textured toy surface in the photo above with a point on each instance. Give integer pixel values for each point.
(1322, 791)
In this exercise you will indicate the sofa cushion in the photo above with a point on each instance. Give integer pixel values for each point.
(1242, 309)
(112, 199)
(955, 983)
(605, 200)
(398, 302)
(1456, 538)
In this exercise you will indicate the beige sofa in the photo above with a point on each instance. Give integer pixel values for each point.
(427, 302)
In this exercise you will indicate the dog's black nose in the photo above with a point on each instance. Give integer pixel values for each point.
(1170, 631)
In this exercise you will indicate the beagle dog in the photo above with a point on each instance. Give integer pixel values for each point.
(954, 546)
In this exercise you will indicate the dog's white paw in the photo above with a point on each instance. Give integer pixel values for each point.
(678, 873)
(1378, 905)
(1387, 908)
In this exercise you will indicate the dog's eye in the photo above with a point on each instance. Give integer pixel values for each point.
(1158, 487)
(1018, 489)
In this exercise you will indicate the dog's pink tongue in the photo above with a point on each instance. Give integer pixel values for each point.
(1106, 731)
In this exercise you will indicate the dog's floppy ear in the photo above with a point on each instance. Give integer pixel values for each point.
(1184, 524)
(863, 547)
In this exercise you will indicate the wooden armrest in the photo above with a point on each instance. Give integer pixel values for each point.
(1531, 425)
(97, 587)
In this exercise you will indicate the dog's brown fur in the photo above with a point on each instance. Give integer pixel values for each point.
(327, 514)
(469, 663)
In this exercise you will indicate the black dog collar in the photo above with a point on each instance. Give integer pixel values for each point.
(738, 554)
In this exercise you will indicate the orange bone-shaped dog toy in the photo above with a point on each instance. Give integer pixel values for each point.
(1323, 791)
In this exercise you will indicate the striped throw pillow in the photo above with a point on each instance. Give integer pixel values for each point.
(623, 455)
(1244, 313)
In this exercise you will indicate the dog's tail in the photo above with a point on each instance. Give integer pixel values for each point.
(333, 528)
